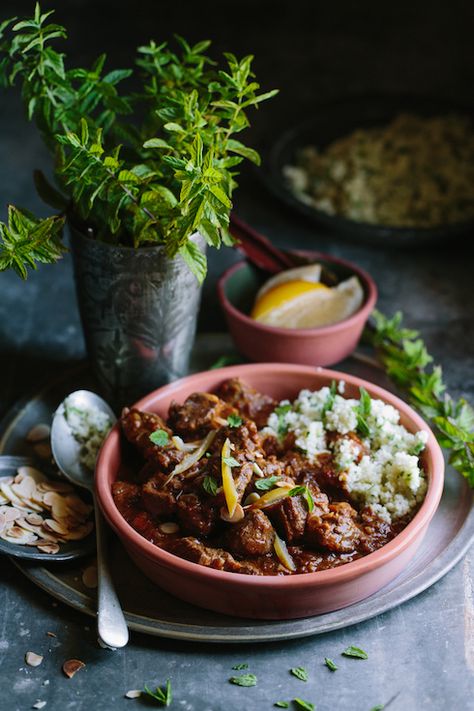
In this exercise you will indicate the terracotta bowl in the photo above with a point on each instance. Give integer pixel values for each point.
(327, 345)
(271, 597)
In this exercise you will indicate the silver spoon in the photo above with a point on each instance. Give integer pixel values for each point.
(111, 625)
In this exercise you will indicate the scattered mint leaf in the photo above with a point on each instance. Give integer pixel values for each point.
(159, 437)
(238, 667)
(363, 411)
(234, 421)
(355, 652)
(305, 492)
(267, 484)
(244, 680)
(282, 704)
(306, 705)
(330, 664)
(379, 707)
(231, 461)
(329, 400)
(210, 485)
(300, 673)
(162, 695)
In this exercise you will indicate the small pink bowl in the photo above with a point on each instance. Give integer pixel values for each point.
(327, 345)
(271, 597)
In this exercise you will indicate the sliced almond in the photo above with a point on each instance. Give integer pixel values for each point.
(32, 472)
(34, 519)
(23, 523)
(25, 488)
(61, 487)
(55, 527)
(13, 514)
(39, 705)
(89, 577)
(50, 498)
(236, 516)
(3, 521)
(50, 548)
(169, 527)
(7, 491)
(133, 694)
(79, 533)
(72, 666)
(251, 498)
(51, 634)
(39, 432)
(17, 535)
(33, 659)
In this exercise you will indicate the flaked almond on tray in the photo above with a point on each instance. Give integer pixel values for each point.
(41, 512)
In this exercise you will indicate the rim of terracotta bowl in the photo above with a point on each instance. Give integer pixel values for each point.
(343, 573)
(363, 312)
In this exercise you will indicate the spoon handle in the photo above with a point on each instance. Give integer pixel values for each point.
(111, 625)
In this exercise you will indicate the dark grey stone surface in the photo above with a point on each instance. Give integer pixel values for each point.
(314, 51)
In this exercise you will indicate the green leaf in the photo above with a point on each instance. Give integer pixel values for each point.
(300, 673)
(159, 437)
(267, 484)
(163, 696)
(211, 486)
(156, 143)
(305, 705)
(239, 148)
(282, 704)
(195, 260)
(239, 667)
(330, 664)
(231, 461)
(244, 680)
(355, 652)
(234, 421)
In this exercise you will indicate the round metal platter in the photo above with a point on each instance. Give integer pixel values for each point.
(152, 611)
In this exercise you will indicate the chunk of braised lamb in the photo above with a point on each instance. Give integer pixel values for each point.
(196, 516)
(145, 524)
(252, 536)
(336, 530)
(157, 500)
(327, 476)
(375, 532)
(137, 427)
(250, 403)
(127, 497)
(200, 413)
(193, 550)
(289, 517)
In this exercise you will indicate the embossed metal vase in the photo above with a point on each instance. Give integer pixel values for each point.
(138, 309)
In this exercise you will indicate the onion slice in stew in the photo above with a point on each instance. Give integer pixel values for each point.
(282, 552)
(191, 459)
(230, 492)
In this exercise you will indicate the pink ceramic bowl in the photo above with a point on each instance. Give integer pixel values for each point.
(327, 345)
(271, 597)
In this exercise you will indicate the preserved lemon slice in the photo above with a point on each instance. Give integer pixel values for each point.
(282, 552)
(228, 484)
(281, 294)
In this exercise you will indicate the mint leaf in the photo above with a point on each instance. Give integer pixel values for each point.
(210, 485)
(267, 484)
(244, 680)
(231, 461)
(300, 673)
(234, 421)
(306, 705)
(330, 664)
(355, 652)
(159, 437)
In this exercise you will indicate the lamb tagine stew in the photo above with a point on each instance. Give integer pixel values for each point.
(235, 482)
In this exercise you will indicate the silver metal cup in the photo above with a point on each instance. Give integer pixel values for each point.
(138, 309)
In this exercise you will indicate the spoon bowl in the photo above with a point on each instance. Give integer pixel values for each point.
(66, 449)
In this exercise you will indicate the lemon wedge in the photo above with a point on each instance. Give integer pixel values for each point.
(280, 295)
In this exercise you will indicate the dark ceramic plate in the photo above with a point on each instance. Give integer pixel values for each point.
(68, 551)
(339, 119)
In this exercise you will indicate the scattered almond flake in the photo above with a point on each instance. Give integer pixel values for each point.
(33, 659)
(25, 488)
(72, 666)
(169, 527)
(32, 472)
(55, 527)
(51, 634)
(17, 535)
(46, 682)
(34, 519)
(39, 432)
(39, 705)
(80, 532)
(23, 523)
(49, 548)
(133, 694)
(89, 577)
(43, 450)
